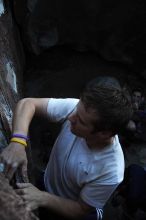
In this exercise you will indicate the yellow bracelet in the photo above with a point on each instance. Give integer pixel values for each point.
(19, 140)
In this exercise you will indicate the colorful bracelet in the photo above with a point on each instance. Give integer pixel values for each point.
(20, 136)
(18, 140)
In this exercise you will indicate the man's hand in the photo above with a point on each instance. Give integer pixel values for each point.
(14, 157)
(34, 198)
(31, 195)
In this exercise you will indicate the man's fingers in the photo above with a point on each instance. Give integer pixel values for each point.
(8, 166)
(23, 185)
(24, 173)
(30, 206)
(14, 152)
(11, 170)
(20, 192)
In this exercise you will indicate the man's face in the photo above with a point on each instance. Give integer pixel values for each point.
(136, 96)
(82, 121)
(136, 99)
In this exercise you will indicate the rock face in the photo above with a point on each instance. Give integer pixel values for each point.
(114, 29)
(11, 67)
(11, 71)
(12, 206)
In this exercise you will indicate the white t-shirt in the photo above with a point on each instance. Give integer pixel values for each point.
(74, 170)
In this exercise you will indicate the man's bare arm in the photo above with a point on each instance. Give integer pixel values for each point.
(67, 208)
(25, 111)
(14, 155)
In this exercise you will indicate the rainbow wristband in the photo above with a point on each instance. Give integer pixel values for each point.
(20, 136)
(18, 140)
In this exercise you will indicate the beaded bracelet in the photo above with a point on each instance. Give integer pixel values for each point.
(20, 136)
(19, 140)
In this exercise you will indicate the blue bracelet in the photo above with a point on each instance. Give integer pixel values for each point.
(20, 136)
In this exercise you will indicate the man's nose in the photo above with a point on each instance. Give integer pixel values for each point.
(72, 118)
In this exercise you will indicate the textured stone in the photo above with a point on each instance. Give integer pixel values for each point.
(12, 206)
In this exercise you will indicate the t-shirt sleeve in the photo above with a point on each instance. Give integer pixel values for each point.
(97, 195)
(59, 109)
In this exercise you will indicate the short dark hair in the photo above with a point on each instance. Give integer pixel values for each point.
(112, 105)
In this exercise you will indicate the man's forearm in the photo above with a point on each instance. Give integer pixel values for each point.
(64, 207)
(23, 115)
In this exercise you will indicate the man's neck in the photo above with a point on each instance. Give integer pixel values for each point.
(98, 143)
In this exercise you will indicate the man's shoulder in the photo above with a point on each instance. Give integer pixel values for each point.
(59, 108)
(64, 101)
